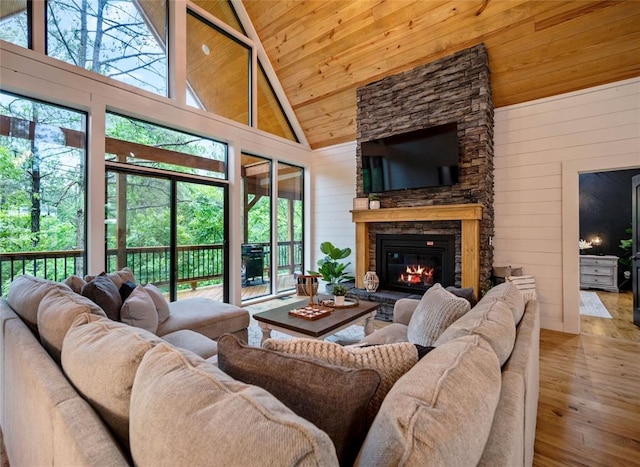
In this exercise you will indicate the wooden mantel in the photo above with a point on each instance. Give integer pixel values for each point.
(469, 215)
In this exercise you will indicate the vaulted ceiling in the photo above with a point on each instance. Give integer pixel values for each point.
(322, 51)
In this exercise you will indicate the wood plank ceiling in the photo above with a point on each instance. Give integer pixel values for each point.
(322, 51)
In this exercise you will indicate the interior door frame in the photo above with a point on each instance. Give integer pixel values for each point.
(571, 171)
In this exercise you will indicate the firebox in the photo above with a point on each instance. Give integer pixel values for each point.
(414, 262)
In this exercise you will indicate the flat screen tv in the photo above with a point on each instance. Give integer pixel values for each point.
(417, 159)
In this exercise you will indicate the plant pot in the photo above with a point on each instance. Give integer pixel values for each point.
(338, 300)
(374, 204)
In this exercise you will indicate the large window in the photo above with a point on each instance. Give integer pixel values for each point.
(42, 190)
(127, 40)
(218, 70)
(122, 39)
(144, 144)
(290, 224)
(256, 219)
(271, 117)
(14, 22)
(169, 226)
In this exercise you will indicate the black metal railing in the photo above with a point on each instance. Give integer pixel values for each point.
(195, 263)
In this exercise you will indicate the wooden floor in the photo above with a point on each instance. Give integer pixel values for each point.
(620, 307)
(589, 406)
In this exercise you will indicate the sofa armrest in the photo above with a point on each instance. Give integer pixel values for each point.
(403, 310)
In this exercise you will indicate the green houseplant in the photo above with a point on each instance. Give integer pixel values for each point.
(626, 259)
(330, 268)
(339, 291)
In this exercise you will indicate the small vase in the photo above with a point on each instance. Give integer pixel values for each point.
(371, 281)
(338, 300)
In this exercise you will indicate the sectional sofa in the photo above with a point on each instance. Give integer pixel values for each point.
(114, 394)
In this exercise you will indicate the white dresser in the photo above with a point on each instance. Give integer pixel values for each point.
(599, 272)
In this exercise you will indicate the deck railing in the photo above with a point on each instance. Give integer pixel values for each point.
(195, 263)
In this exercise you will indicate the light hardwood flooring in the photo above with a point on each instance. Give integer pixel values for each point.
(589, 405)
(620, 307)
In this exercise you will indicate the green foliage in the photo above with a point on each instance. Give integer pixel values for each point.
(329, 268)
(339, 290)
(626, 245)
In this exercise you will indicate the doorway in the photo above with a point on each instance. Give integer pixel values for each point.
(605, 216)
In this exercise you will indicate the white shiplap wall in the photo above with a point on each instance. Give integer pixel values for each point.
(333, 187)
(540, 148)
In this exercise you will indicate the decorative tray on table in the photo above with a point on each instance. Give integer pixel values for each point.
(311, 312)
(347, 303)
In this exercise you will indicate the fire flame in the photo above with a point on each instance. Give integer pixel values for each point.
(417, 275)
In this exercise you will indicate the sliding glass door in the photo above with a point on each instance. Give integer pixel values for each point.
(169, 231)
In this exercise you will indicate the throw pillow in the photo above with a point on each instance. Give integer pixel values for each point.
(162, 306)
(466, 292)
(123, 275)
(138, 310)
(75, 283)
(102, 291)
(101, 358)
(125, 289)
(334, 399)
(391, 361)
(185, 411)
(437, 310)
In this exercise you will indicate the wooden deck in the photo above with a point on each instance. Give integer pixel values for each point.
(249, 292)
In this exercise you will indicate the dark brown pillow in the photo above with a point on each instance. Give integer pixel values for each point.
(467, 293)
(334, 399)
(103, 292)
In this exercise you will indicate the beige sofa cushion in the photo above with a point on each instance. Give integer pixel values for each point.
(192, 341)
(56, 313)
(491, 320)
(26, 293)
(185, 411)
(139, 310)
(437, 310)
(101, 358)
(205, 316)
(505, 445)
(430, 416)
(509, 293)
(390, 334)
(311, 388)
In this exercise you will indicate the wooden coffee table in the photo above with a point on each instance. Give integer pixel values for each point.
(341, 318)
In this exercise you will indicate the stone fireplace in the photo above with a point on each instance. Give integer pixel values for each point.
(455, 89)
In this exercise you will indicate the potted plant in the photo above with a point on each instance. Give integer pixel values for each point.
(626, 259)
(339, 291)
(374, 202)
(329, 268)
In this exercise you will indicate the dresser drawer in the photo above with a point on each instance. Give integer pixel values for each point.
(598, 262)
(588, 279)
(596, 270)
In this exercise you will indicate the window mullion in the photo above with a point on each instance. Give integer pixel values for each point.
(38, 29)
